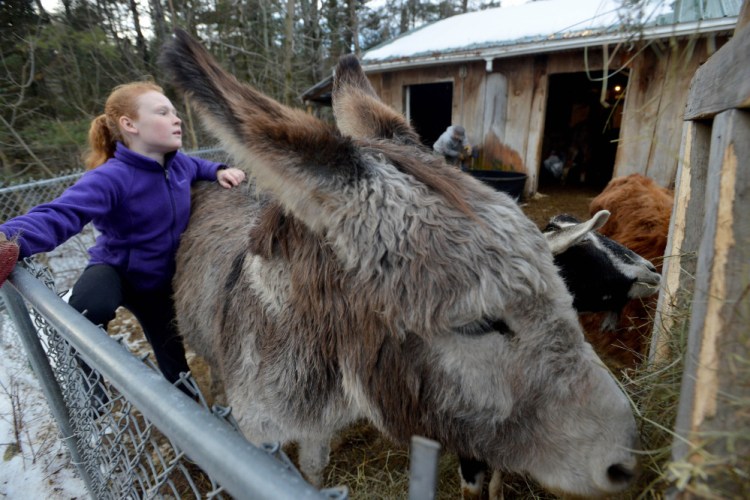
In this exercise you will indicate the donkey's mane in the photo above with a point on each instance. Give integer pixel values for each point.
(430, 170)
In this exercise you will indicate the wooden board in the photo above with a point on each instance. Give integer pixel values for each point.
(641, 108)
(678, 271)
(716, 364)
(723, 82)
(532, 155)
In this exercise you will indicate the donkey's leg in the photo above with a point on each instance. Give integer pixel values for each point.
(472, 474)
(496, 485)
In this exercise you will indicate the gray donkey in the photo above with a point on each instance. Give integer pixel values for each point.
(362, 277)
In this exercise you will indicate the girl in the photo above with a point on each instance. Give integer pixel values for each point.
(137, 194)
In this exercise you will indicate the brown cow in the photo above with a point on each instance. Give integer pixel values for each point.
(362, 277)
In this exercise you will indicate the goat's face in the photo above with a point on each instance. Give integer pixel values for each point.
(432, 302)
(601, 274)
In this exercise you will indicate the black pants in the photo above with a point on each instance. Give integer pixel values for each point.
(101, 290)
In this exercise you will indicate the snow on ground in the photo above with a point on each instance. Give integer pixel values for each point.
(36, 463)
(512, 23)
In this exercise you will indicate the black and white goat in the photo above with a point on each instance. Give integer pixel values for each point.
(601, 274)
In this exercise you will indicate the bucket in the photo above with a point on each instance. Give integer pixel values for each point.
(511, 183)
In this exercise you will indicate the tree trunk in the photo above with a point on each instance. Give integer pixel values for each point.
(353, 26)
(140, 40)
(158, 20)
(288, 52)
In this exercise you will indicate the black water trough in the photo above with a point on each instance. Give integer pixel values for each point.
(511, 183)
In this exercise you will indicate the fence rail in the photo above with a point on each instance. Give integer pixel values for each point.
(710, 239)
(128, 430)
(136, 440)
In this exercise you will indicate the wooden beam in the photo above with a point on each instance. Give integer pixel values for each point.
(723, 82)
(678, 271)
(533, 154)
(711, 421)
(744, 18)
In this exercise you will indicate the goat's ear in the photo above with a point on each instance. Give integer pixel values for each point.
(564, 237)
(358, 111)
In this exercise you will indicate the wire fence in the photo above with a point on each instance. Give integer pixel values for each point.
(118, 451)
(129, 432)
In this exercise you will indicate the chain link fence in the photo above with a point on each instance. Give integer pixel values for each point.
(128, 437)
(129, 432)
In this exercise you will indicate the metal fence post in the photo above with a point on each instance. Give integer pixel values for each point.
(40, 364)
(423, 468)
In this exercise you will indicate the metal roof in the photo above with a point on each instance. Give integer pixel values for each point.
(547, 26)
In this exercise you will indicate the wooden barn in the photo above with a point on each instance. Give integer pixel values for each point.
(586, 84)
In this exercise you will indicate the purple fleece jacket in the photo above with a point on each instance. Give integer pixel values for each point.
(140, 208)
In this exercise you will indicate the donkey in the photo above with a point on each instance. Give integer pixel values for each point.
(360, 276)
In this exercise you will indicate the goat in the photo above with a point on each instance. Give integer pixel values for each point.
(359, 276)
(640, 213)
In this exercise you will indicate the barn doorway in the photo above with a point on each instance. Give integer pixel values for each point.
(429, 106)
(580, 133)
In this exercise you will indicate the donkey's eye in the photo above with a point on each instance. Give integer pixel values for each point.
(485, 326)
(500, 327)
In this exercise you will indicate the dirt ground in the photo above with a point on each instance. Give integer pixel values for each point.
(362, 459)
(551, 201)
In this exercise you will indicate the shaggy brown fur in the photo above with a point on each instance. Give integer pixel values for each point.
(641, 210)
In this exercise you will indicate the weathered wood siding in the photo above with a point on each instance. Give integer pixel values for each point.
(504, 110)
(654, 106)
(468, 91)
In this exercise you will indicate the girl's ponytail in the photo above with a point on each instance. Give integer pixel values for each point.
(101, 143)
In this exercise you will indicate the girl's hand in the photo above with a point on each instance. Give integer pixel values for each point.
(230, 177)
(8, 257)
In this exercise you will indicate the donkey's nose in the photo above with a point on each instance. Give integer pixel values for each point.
(621, 474)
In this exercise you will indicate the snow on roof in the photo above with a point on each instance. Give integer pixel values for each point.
(534, 23)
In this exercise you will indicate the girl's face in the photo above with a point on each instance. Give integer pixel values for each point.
(157, 130)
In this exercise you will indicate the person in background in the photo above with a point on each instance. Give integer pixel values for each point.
(453, 145)
(553, 166)
(136, 193)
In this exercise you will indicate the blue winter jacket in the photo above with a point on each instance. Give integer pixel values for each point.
(140, 208)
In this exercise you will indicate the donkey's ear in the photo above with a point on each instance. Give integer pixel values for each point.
(360, 113)
(305, 163)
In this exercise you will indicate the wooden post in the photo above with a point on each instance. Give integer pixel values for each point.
(717, 363)
(678, 270)
(711, 451)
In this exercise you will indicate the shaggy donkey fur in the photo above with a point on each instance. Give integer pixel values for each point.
(361, 277)
(602, 275)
